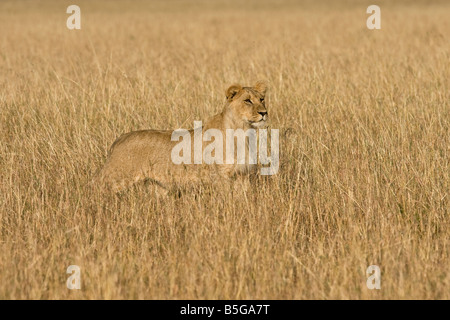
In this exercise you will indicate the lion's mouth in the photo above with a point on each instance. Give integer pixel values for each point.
(258, 123)
(260, 120)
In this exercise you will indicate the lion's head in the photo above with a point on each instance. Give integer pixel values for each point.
(247, 104)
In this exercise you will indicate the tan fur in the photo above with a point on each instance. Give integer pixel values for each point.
(146, 154)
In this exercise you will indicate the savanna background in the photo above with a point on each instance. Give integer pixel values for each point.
(365, 151)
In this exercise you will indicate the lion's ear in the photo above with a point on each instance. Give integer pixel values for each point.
(261, 87)
(232, 91)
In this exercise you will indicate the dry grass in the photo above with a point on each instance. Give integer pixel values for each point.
(365, 177)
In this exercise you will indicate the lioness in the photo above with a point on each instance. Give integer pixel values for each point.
(146, 154)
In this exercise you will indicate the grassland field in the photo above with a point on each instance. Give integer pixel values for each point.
(364, 177)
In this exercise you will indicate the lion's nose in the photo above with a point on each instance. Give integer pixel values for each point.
(263, 113)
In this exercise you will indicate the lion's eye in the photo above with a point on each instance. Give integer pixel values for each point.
(248, 101)
(262, 99)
